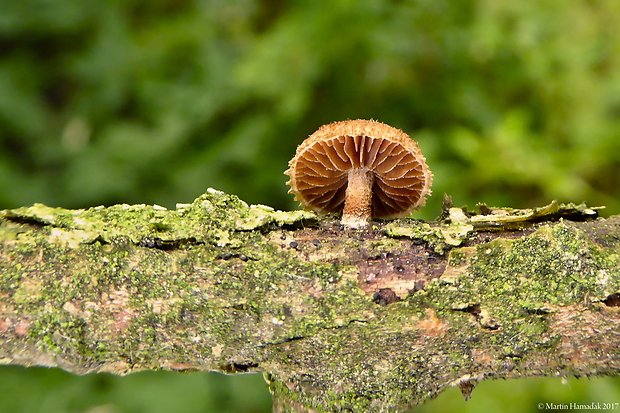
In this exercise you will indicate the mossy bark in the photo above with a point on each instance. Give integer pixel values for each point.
(356, 320)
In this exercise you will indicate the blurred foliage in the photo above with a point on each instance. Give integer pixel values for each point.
(43, 390)
(135, 101)
(514, 103)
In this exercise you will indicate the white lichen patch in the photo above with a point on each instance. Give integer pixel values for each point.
(43, 212)
(602, 278)
(458, 264)
(70, 239)
(260, 215)
(29, 291)
(438, 236)
(38, 212)
(72, 309)
(506, 216)
(458, 230)
(455, 234)
(217, 350)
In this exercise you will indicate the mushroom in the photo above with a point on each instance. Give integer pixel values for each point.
(363, 168)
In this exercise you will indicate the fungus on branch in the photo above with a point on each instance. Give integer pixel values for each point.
(363, 168)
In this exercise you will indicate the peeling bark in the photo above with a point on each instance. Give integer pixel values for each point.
(357, 320)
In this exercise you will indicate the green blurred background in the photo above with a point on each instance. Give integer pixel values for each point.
(152, 101)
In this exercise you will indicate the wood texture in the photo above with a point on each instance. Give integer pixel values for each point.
(370, 320)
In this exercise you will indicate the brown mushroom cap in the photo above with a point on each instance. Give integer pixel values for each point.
(397, 169)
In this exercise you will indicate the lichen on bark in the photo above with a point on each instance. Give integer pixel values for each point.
(362, 320)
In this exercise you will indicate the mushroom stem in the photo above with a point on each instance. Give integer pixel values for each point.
(358, 199)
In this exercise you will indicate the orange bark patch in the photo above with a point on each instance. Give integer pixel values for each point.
(22, 328)
(432, 325)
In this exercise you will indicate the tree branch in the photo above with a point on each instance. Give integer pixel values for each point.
(372, 320)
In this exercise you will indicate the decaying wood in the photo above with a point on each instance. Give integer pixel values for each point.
(354, 320)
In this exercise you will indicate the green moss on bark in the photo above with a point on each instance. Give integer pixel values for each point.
(220, 285)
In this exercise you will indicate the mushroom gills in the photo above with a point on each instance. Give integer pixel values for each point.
(363, 168)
